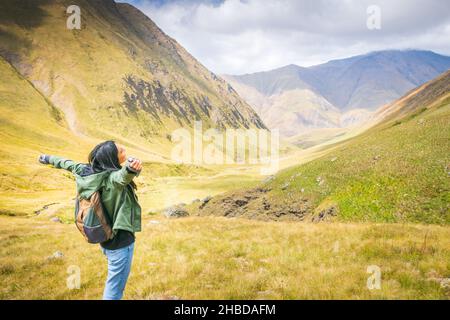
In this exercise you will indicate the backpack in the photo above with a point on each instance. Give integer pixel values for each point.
(92, 219)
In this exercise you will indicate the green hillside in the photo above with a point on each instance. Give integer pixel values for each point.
(395, 172)
(29, 122)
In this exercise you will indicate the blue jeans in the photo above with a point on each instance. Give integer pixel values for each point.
(119, 265)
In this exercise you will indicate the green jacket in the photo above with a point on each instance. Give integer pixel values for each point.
(119, 199)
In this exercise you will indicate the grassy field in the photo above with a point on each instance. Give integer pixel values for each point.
(220, 258)
(396, 173)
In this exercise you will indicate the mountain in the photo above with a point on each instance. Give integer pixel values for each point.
(355, 86)
(398, 170)
(119, 75)
(292, 111)
(300, 108)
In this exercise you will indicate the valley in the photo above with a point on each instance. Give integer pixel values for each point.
(395, 171)
(363, 179)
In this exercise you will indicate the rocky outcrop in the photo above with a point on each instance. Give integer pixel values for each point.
(256, 204)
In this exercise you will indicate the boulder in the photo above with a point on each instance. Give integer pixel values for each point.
(56, 256)
(205, 201)
(176, 212)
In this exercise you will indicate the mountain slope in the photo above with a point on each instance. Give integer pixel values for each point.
(30, 125)
(293, 111)
(417, 100)
(399, 170)
(19, 102)
(356, 86)
(299, 110)
(119, 76)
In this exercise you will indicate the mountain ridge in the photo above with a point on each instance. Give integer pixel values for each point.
(357, 85)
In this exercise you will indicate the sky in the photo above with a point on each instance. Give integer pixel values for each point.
(246, 36)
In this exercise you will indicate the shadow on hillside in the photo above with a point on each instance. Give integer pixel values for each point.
(24, 13)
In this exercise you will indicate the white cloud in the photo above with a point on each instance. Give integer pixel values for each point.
(242, 36)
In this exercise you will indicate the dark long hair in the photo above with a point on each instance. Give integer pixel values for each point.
(105, 157)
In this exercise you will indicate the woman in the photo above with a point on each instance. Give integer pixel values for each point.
(115, 183)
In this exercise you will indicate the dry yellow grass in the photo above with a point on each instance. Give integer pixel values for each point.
(222, 258)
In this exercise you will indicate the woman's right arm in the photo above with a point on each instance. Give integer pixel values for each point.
(124, 176)
(61, 163)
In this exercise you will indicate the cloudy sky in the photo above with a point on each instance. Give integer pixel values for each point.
(244, 36)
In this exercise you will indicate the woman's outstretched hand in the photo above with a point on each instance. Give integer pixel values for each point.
(135, 164)
(44, 159)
